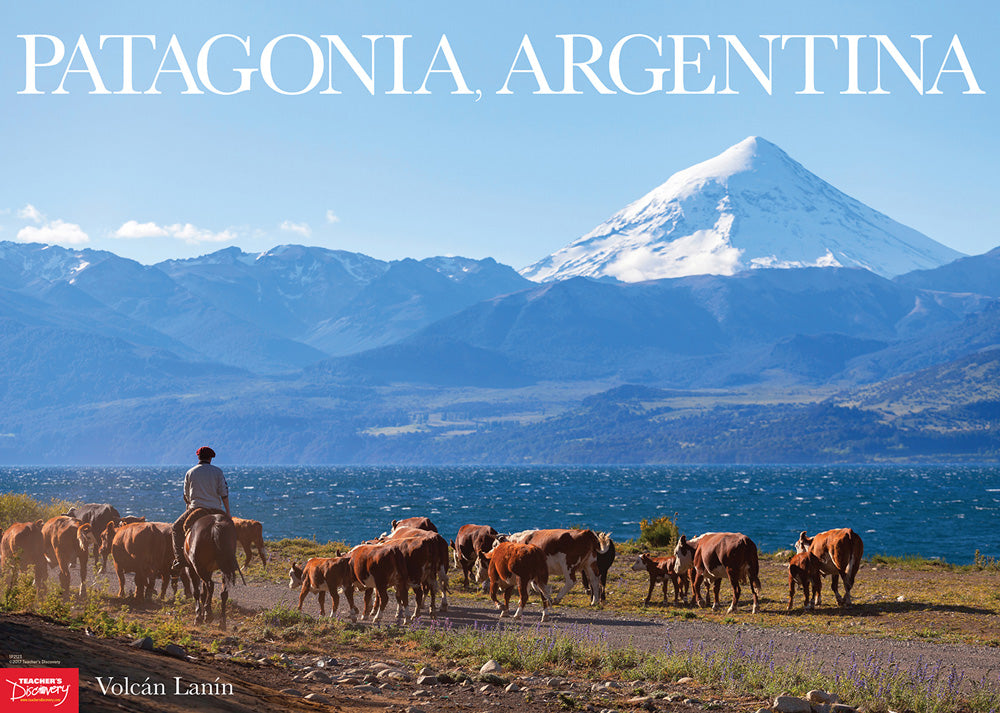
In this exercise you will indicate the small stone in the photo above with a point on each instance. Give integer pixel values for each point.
(421, 693)
(818, 696)
(291, 692)
(365, 688)
(764, 710)
(348, 681)
(842, 708)
(414, 709)
(685, 680)
(379, 666)
(484, 689)
(316, 697)
(318, 676)
(145, 643)
(791, 704)
(900, 598)
(427, 671)
(176, 651)
(427, 681)
(491, 666)
(692, 702)
(319, 663)
(512, 688)
(639, 700)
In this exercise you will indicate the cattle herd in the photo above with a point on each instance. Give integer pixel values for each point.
(413, 556)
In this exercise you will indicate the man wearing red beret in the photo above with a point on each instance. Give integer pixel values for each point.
(206, 492)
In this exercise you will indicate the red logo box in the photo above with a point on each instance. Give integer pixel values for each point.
(33, 690)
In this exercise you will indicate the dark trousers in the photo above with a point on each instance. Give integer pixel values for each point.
(183, 524)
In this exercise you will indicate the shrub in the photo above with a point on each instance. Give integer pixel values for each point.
(661, 533)
(18, 507)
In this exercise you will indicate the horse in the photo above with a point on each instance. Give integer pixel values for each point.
(210, 545)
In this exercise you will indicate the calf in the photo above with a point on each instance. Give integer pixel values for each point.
(250, 533)
(378, 567)
(717, 555)
(839, 553)
(98, 515)
(604, 562)
(568, 550)
(66, 541)
(662, 569)
(22, 546)
(804, 569)
(324, 575)
(512, 564)
(470, 541)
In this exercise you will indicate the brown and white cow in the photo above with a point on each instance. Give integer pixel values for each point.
(324, 575)
(513, 564)
(426, 556)
(839, 553)
(22, 546)
(378, 567)
(420, 523)
(716, 555)
(66, 541)
(470, 541)
(662, 569)
(567, 551)
(250, 533)
(804, 570)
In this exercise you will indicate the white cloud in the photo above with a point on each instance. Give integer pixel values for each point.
(56, 232)
(135, 229)
(332, 217)
(187, 232)
(302, 229)
(30, 212)
(192, 234)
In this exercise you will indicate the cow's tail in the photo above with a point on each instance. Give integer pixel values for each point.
(854, 563)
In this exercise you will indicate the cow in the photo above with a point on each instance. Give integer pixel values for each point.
(250, 533)
(143, 554)
(804, 570)
(139, 548)
(420, 523)
(426, 555)
(567, 551)
(513, 564)
(468, 543)
(604, 562)
(23, 546)
(716, 555)
(662, 569)
(839, 553)
(377, 567)
(98, 515)
(210, 545)
(66, 540)
(324, 575)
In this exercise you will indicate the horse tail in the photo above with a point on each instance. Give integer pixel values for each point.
(224, 537)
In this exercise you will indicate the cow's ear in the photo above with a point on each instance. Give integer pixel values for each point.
(683, 540)
(39, 523)
(802, 536)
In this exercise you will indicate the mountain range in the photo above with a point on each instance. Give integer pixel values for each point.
(304, 354)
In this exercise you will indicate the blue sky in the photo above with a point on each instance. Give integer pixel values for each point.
(509, 176)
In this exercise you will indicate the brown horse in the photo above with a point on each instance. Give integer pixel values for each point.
(211, 545)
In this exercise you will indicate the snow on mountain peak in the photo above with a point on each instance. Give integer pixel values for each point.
(752, 206)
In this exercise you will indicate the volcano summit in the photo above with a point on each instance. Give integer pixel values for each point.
(751, 206)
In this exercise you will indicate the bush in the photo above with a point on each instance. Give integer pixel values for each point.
(18, 507)
(659, 534)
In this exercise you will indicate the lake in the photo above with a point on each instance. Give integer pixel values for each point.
(934, 511)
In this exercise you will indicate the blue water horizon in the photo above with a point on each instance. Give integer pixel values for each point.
(941, 511)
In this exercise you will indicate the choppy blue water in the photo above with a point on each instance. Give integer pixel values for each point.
(934, 511)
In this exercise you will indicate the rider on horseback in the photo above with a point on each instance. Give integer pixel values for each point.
(206, 493)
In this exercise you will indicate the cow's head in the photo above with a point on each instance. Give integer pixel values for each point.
(294, 576)
(108, 536)
(481, 571)
(684, 554)
(85, 536)
(802, 544)
(642, 562)
(603, 542)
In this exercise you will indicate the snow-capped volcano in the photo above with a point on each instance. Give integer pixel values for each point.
(750, 206)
